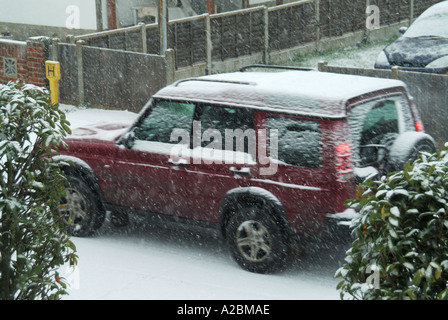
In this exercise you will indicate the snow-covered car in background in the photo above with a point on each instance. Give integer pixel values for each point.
(267, 158)
(423, 47)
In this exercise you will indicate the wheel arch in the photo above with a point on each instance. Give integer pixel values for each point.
(71, 165)
(238, 198)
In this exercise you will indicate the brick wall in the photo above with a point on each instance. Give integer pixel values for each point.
(25, 61)
(35, 56)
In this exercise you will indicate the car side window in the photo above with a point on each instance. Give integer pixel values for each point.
(233, 121)
(299, 141)
(165, 117)
(379, 121)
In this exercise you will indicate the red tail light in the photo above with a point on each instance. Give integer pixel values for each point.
(344, 161)
(419, 126)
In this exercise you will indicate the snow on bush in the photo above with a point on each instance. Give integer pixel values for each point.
(400, 247)
(33, 241)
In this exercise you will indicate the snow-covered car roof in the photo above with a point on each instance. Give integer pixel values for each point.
(303, 92)
(432, 22)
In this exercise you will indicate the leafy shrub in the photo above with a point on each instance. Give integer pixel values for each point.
(401, 235)
(33, 242)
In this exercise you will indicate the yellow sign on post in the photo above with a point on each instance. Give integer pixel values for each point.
(53, 73)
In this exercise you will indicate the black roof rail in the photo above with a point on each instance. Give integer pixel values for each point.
(266, 66)
(215, 80)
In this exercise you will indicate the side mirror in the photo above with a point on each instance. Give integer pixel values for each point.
(127, 139)
(373, 154)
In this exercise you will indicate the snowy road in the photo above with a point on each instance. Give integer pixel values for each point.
(152, 262)
(168, 264)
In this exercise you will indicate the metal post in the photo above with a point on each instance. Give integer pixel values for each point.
(208, 44)
(99, 15)
(317, 18)
(53, 74)
(266, 47)
(163, 26)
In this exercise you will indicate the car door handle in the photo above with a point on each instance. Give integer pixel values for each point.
(181, 163)
(242, 172)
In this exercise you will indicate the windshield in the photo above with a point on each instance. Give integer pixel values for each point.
(430, 25)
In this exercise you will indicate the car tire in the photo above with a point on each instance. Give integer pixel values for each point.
(257, 242)
(407, 146)
(79, 208)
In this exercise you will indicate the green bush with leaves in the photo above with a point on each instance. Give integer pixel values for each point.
(33, 241)
(401, 235)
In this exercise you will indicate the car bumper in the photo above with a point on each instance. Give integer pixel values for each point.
(339, 225)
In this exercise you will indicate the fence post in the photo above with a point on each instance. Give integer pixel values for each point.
(411, 11)
(266, 56)
(208, 44)
(54, 53)
(366, 32)
(394, 72)
(79, 49)
(70, 39)
(170, 66)
(322, 66)
(143, 36)
(99, 15)
(317, 18)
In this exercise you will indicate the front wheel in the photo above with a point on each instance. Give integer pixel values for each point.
(257, 242)
(79, 209)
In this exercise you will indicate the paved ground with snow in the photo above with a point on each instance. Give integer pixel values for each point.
(163, 263)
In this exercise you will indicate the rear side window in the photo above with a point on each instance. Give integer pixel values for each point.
(377, 122)
(299, 141)
(381, 120)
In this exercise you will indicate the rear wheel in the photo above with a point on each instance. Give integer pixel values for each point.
(257, 242)
(79, 209)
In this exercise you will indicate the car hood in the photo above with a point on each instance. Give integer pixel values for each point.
(416, 52)
(106, 132)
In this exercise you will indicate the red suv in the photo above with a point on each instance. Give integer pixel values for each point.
(266, 156)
